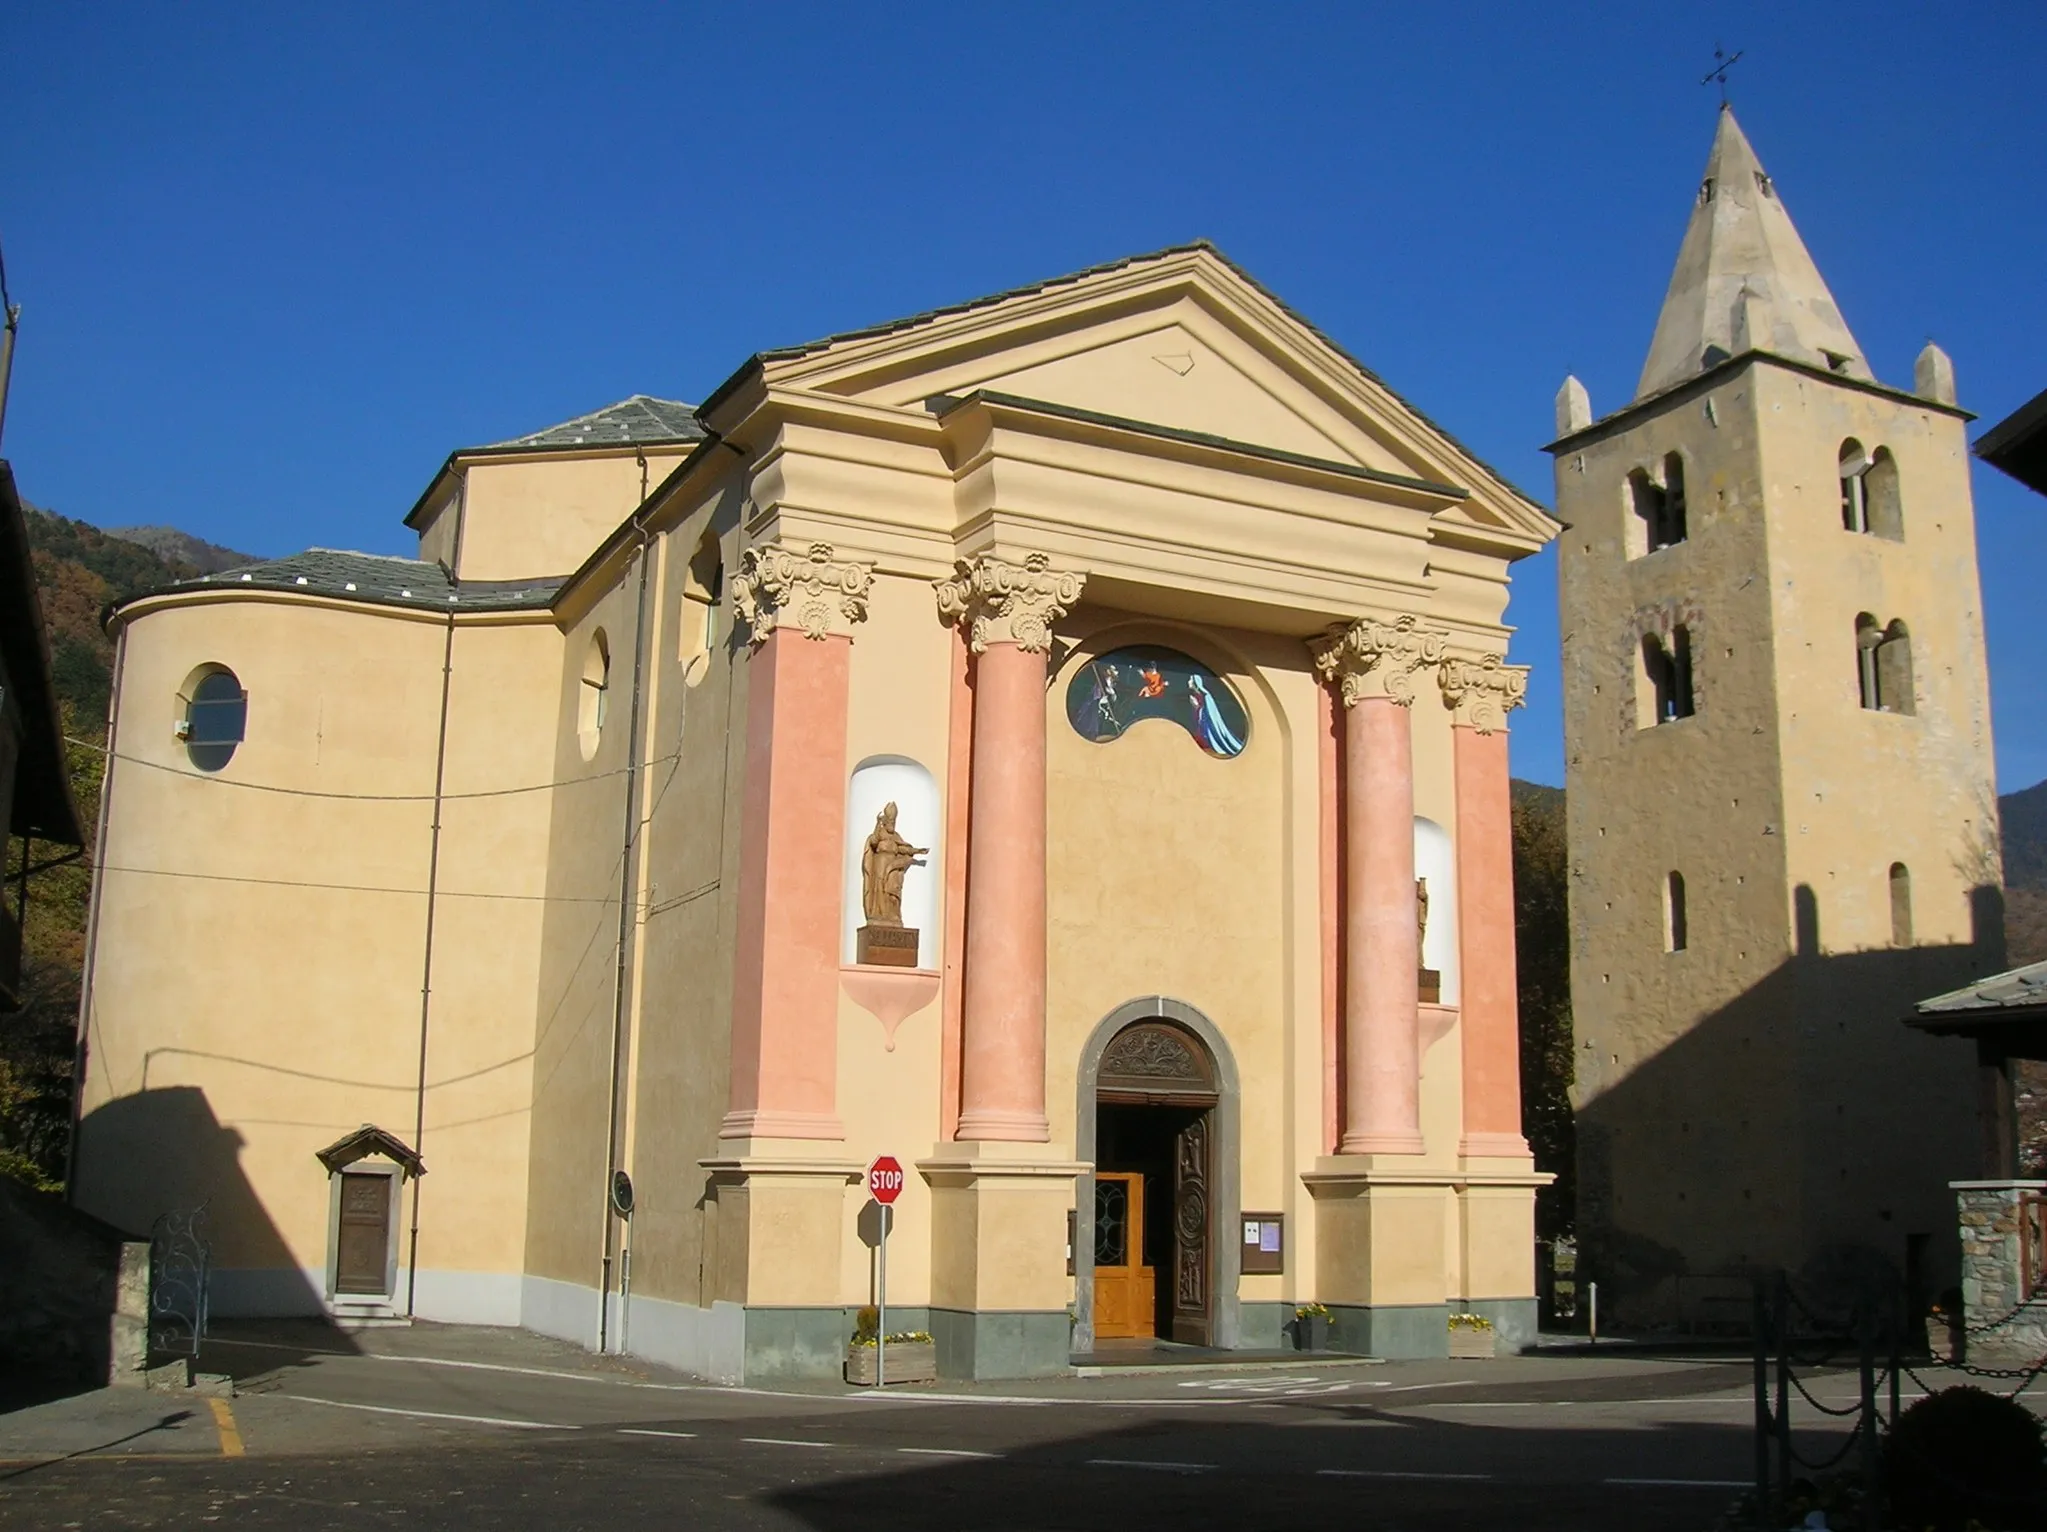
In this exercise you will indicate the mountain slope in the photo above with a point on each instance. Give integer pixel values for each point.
(175, 547)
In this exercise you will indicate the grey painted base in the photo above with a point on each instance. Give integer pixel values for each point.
(1514, 1321)
(1001, 1344)
(1406, 1334)
(811, 1343)
(1266, 1326)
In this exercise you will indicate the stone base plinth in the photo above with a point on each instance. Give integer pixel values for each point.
(886, 946)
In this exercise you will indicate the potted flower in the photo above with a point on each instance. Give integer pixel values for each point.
(910, 1356)
(1311, 1327)
(1471, 1336)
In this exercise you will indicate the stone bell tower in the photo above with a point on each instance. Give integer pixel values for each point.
(1782, 805)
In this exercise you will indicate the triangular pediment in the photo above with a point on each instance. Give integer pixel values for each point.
(1182, 340)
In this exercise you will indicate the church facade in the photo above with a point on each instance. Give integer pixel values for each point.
(1059, 741)
(1781, 792)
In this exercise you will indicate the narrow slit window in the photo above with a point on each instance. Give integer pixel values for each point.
(1675, 933)
(1867, 636)
(1674, 530)
(1854, 487)
(1901, 905)
(1663, 678)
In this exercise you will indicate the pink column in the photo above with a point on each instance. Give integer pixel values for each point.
(1480, 694)
(1382, 956)
(1002, 1060)
(1485, 925)
(802, 605)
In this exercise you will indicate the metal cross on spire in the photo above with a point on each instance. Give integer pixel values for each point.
(1722, 62)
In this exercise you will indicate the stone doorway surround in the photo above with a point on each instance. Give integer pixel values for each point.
(1225, 1193)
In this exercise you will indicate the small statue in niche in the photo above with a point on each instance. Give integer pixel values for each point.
(884, 862)
(1428, 981)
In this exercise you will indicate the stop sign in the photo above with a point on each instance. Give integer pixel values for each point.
(885, 1179)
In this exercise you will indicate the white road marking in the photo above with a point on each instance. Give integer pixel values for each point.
(1392, 1473)
(1144, 1463)
(781, 1441)
(1685, 1483)
(946, 1452)
(643, 1431)
(474, 1420)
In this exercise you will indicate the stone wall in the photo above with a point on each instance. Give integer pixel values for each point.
(2005, 1327)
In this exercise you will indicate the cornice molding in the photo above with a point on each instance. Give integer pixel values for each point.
(1481, 693)
(1367, 659)
(778, 587)
(1005, 603)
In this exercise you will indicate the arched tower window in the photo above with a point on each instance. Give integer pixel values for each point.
(1885, 509)
(1894, 670)
(1675, 933)
(1673, 500)
(1901, 905)
(1657, 511)
(1663, 680)
(1854, 487)
(1883, 665)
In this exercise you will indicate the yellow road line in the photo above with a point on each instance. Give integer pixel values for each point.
(230, 1434)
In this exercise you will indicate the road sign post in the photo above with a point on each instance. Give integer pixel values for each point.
(884, 1185)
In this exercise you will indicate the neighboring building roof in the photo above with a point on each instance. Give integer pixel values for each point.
(1744, 280)
(43, 805)
(377, 578)
(639, 421)
(2018, 443)
(2015, 989)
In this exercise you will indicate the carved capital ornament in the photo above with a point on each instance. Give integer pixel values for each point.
(1377, 659)
(1481, 693)
(1005, 603)
(778, 586)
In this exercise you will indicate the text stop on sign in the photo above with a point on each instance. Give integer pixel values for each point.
(885, 1179)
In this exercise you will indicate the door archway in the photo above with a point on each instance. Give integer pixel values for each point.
(1162, 1056)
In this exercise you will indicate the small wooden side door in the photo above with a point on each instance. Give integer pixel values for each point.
(363, 1245)
(1123, 1283)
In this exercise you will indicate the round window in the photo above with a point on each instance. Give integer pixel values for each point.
(216, 713)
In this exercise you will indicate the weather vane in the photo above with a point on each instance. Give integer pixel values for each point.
(1722, 63)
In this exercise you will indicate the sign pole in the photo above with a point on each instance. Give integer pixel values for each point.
(884, 1184)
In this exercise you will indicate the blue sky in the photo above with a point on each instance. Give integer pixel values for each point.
(276, 262)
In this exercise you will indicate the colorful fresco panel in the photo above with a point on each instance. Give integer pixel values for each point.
(1115, 691)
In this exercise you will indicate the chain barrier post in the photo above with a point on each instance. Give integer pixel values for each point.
(1780, 1334)
(1759, 1320)
(1865, 1347)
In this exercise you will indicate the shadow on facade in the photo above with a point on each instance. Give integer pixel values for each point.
(1803, 1126)
(164, 1151)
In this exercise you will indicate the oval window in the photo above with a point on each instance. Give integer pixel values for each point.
(1112, 693)
(216, 715)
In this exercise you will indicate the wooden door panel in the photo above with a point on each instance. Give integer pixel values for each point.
(1124, 1285)
(1192, 1314)
(362, 1248)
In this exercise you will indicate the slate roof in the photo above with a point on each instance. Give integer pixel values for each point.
(2012, 990)
(639, 421)
(2018, 443)
(383, 580)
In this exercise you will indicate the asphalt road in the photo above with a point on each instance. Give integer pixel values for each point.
(444, 1428)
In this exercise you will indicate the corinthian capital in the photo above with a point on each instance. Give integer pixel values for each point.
(1481, 693)
(1008, 603)
(779, 587)
(1377, 659)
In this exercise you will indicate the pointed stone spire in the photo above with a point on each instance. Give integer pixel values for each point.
(1744, 280)
(1933, 375)
(1574, 406)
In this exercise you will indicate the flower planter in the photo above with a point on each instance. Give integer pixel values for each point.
(1311, 1332)
(908, 1362)
(1471, 1345)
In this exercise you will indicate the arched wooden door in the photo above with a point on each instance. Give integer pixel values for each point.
(1158, 1082)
